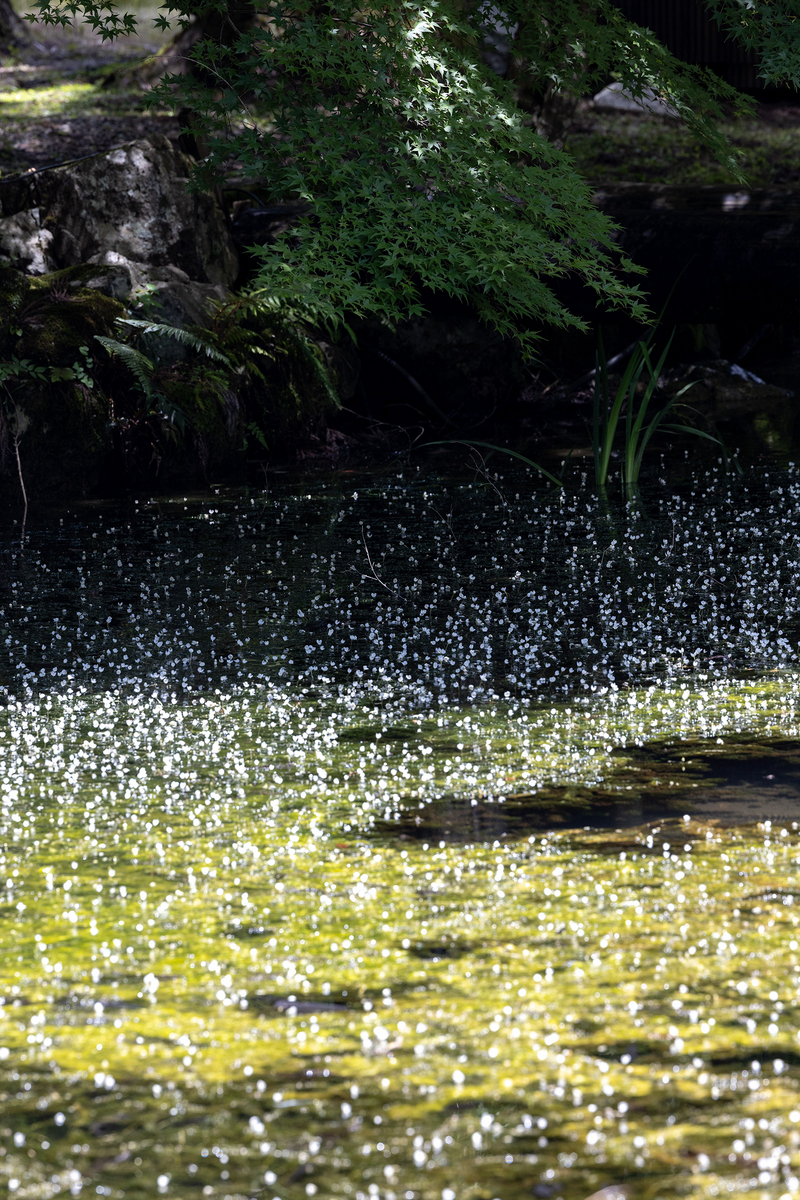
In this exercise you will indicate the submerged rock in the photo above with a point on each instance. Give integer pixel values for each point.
(289, 1006)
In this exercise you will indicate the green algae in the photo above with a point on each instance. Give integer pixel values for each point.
(569, 1008)
(200, 834)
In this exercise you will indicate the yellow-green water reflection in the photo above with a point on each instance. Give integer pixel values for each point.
(283, 916)
(558, 1011)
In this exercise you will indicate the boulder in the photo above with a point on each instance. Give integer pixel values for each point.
(615, 98)
(132, 213)
(724, 395)
(722, 390)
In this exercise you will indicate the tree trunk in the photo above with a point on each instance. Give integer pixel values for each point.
(172, 58)
(13, 31)
(222, 27)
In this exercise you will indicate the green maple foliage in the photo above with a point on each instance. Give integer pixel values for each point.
(416, 168)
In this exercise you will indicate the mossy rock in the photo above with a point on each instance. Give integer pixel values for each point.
(14, 289)
(56, 321)
(775, 430)
(48, 325)
(57, 325)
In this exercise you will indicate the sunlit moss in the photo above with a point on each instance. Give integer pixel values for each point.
(65, 101)
(62, 100)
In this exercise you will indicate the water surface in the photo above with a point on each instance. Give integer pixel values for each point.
(384, 840)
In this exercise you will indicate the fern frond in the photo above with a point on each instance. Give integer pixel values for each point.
(262, 305)
(313, 356)
(173, 414)
(178, 335)
(140, 366)
(282, 330)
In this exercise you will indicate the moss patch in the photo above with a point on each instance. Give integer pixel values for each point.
(56, 322)
(623, 148)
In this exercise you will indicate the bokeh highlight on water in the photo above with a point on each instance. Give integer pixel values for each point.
(233, 967)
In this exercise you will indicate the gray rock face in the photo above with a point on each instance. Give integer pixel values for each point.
(24, 240)
(615, 98)
(130, 210)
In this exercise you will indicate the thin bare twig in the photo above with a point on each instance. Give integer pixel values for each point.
(482, 469)
(21, 480)
(374, 574)
(65, 162)
(672, 543)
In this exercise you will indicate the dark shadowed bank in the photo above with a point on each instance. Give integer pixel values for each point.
(133, 358)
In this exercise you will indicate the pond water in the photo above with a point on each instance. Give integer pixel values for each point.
(403, 838)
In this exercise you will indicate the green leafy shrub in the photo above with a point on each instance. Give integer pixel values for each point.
(418, 168)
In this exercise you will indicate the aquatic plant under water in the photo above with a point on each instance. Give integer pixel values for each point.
(234, 965)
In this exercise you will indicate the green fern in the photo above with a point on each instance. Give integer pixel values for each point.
(313, 356)
(286, 323)
(184, 336)
(143, 370)
(141, 367)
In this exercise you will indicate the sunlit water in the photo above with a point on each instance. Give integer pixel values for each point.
(257, 939)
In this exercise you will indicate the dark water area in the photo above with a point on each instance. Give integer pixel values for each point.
(430, 587)
(740, 783)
